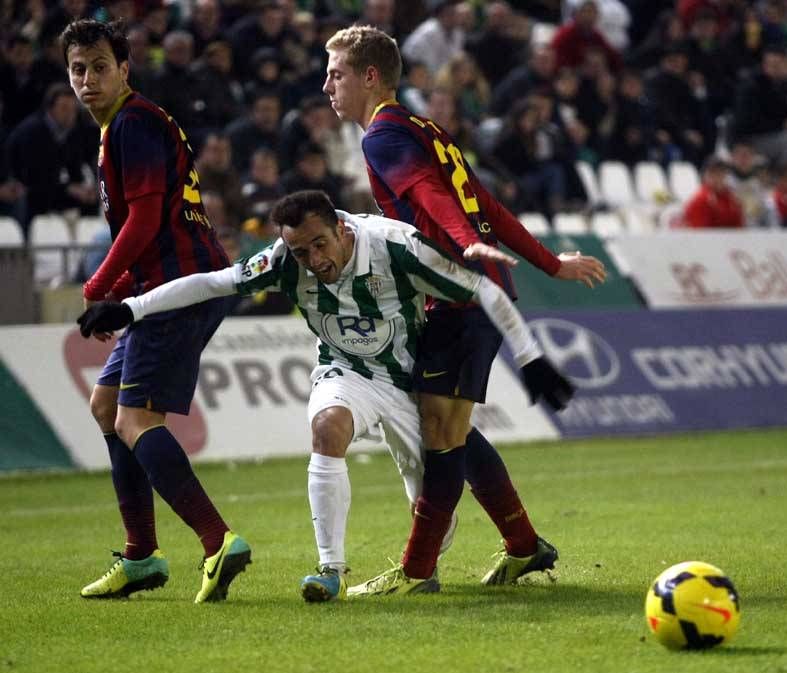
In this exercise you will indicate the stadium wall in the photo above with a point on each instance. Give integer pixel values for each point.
(250, 402)
(711, 355)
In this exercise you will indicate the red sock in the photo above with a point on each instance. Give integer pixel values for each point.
(423, 547)
(509, 515)
(140, 524)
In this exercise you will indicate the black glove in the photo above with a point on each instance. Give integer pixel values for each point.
(543, 380)
(104, 316)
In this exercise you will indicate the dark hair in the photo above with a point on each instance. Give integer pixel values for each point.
(88, 32)
(54, 92)
(291, 210)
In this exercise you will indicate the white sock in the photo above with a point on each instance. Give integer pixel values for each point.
(329, 497)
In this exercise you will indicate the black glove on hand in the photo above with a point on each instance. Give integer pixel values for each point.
(104, 316)
(543, 380)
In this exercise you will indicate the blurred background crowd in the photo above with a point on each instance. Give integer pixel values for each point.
(562, 107)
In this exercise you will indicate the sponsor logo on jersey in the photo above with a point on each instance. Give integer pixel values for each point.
(356, 335)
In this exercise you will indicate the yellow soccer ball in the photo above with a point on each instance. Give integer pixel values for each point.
(692, 605)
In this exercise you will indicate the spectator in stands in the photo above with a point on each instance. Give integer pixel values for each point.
(380, 14)
(414, 89)
(261, 187)
(60, 15)
(467, 84)
(633, 131)
(310, 123)
(216, 174)
(258, 128)
(725, 11)
(707, 67)
(667, 29)
(742, 48)
(204, 25)
(12, 191)
(501, 44)
(51, 154)
(777, 201)
(311, 172)
(749, 181)
(267, 75)
(174, 85)
(48, 66)
(140, 66)
(530, 151)
(715, 205)
(17, 88)
(613, 23)
(760, 111)
(264, 27)
(578, 34)
(537, 73)
(219, 96)
(436, 39)
(684, 128)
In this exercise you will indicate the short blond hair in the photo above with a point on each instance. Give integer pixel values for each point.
(369, 46)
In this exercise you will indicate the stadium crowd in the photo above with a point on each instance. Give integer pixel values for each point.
(528, 89)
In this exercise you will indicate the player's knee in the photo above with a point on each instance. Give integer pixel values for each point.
(442, 431)
(331, 432)
(104, 409)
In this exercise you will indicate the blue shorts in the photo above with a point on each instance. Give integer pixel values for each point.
(455, 354)
(156, 361)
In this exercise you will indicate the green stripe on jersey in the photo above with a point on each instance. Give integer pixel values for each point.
(412, 265)
(367, 304)
(326, 302)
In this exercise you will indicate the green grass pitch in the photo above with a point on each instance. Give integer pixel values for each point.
(619, 511)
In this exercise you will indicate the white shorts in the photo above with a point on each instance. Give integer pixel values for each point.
(374, 403)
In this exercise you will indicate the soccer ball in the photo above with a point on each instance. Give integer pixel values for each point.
(693, 606)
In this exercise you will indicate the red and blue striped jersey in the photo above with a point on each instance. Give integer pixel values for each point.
(419, 175)
(143, 152)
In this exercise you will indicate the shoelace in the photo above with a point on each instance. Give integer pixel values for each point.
(386, 577)
(115, 565)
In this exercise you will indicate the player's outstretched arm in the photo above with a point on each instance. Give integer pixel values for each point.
(107, 316)
(488, 253)
(584, 268)
(539, 376)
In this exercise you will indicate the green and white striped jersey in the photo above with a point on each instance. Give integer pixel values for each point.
(369, 319)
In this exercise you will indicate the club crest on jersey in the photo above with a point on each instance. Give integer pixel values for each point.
(374, 284)
(357, 335)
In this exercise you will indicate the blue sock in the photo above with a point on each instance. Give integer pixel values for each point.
(135, 499)
(169, 470)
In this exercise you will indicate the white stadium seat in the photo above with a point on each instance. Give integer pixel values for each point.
(684, 180)
(587, 175)
(87, 227)
(570, 224)
(616, 185)
(606, 225)
(639, 220)
(650, 182)
(535, 223)
(10, 233)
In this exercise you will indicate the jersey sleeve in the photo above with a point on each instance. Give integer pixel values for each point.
(396, 157)
(510, 231)
(185, 291)
(432, 272)
(263, 270)
(140, 143)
